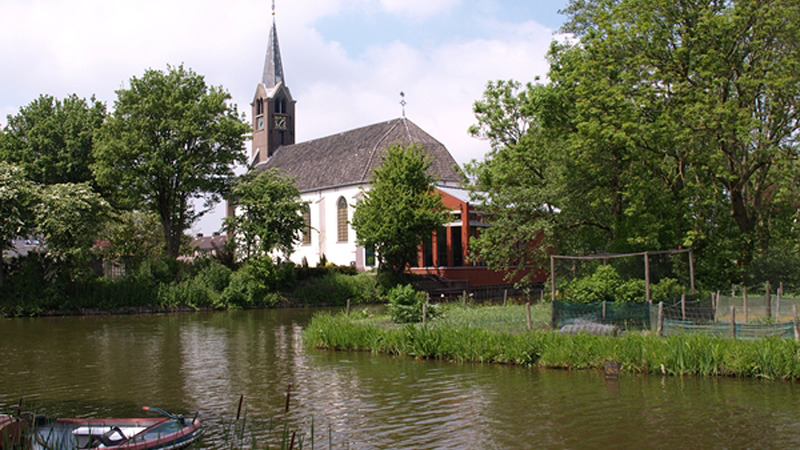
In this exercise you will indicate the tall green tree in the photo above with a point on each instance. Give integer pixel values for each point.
(171, 139)
(400, 209)
(17, 199)
(705, 94)
(664, 124)
(52, 139)
(268, 213)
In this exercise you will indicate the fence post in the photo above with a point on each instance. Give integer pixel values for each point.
(733, 321)
(425, 308)
(794, 319)
(778, 305)
(768, 299)
(660, 329)
(647, 278)
(348, 308)
(716, 307)
(464, 299)
(683, 306)
(604, 310)
(733, 290)
(744, 292)
(780, 289)
(505, 297)
(528, 310)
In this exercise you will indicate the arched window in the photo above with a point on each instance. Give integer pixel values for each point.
(341, 219)
(306, 225)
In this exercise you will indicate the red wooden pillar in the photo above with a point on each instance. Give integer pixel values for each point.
(420, 255)
(435, 249)
(464, 231)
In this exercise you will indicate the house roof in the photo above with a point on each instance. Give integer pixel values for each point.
(350, 157)
(209, 243)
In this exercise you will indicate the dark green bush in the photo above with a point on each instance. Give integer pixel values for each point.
(406, 305)
(335, 288)
(606, 285)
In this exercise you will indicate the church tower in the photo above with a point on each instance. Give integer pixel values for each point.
(273, 106)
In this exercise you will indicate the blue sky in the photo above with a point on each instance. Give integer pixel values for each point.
(344, 61)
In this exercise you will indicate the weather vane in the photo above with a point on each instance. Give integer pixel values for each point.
(403, 102)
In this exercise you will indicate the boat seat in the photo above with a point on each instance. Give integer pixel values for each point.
(114, 436)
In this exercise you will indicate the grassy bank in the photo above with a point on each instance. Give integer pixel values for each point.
(771, 358)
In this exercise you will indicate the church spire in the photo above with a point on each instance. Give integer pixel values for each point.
(273, 68)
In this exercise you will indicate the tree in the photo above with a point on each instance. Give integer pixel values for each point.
(132, 237)
(17, 198)
(705, 94)
(52, 139)
(69, 217)
(400, 209)
(170, 140)
(268, 213)
(665, 124)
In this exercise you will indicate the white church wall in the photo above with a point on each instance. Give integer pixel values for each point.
(324, 229)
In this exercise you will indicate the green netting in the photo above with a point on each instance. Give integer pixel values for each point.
(626, 316)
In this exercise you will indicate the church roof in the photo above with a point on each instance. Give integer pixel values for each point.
(350, 157)
(273, 67)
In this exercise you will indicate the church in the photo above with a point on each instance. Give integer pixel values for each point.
(332, 172)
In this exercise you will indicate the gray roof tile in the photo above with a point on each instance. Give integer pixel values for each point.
(350, 157)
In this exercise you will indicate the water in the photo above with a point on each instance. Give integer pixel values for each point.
(112, 365)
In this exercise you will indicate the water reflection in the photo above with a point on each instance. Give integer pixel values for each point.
(110, 366)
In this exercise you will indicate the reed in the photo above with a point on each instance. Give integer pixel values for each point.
(686, 354)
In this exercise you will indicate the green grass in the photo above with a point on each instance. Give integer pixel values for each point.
(467, 336)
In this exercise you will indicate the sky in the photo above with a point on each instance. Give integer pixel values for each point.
(345, 62)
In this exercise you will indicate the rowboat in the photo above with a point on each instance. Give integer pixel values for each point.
(168, 432)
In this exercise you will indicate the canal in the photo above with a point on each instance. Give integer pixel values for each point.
(112, 365)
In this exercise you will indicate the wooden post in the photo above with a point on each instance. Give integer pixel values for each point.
(768, 299)
(683, 306)
(464, 299)
(780, 289)
(691, 271)
(552, 278)
(778, 305)
(733, 290)
(744, 291)
(348, 308)
(794, 319)
(715, 305)
(660, 329)
(425, 308)
(528, 310)
(541, 296)
(733, 321)
(647, 278)
(505, 297)
(239, 409)
(604, 310)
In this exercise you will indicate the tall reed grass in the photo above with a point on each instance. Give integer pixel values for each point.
(689, 354)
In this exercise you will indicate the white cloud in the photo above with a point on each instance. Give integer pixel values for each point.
(418, 9)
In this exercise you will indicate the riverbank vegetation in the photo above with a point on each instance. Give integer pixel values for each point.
(463, 335)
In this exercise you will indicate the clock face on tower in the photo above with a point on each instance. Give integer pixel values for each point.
(260, 123)
(280, 122)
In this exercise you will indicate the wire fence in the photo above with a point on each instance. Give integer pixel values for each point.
(743, 317)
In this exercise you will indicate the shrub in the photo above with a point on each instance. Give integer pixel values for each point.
(406, 304)
(334, 288)
(252, 285)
